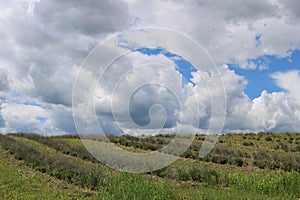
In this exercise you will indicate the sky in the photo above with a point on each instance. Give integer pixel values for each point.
(255, 46)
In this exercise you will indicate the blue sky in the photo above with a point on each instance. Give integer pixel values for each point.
(259, 80)
(41, 119)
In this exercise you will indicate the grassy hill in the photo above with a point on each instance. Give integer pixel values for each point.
(241, 166)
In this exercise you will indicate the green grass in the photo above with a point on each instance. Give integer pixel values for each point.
(134, 186)
(21, 182)
(111, 184)
(221, 194)
(286, 185)
(65, 158)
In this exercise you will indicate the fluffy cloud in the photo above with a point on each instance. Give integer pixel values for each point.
(46, 119)
(42, 46)
(44, 42)
(49, 39)
(289, 81)
(2, 121)
(137, 91)
(89, 18)
(269, 112)
(293, 7)
(227, 29)
(275, 112)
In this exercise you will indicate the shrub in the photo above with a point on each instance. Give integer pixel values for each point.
(211, 177)
(196, 175)
(284, 147)
(239, 162)
(248, 143)
(287, 166)
(183, 175)
(268, 139)
(220, 160)
(262, 164)
(262, 155)
(160, 172)
(149, 146)
(187, 154)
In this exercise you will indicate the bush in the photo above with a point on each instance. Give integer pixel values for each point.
(183, 175)
(187, 154)
(197, 175)
(268, 139)
(287, 166)
(262, 164)
(248, 143)
(262, 155)
(284, 147)
(239, 162)
(296, 167)
(220, 160)
(211, 177)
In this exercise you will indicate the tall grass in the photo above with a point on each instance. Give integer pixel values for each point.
(134, 186)
(283, 184)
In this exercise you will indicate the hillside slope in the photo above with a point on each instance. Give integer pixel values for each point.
(251, 166)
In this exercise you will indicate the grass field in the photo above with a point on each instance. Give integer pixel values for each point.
(241, 166)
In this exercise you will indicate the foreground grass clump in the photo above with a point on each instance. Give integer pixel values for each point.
(283, 184)
(207, 177)
(135, 186)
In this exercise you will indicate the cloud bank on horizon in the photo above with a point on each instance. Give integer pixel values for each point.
(255, 45)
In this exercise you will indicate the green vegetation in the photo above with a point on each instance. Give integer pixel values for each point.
(20, 182)
(241, 166)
